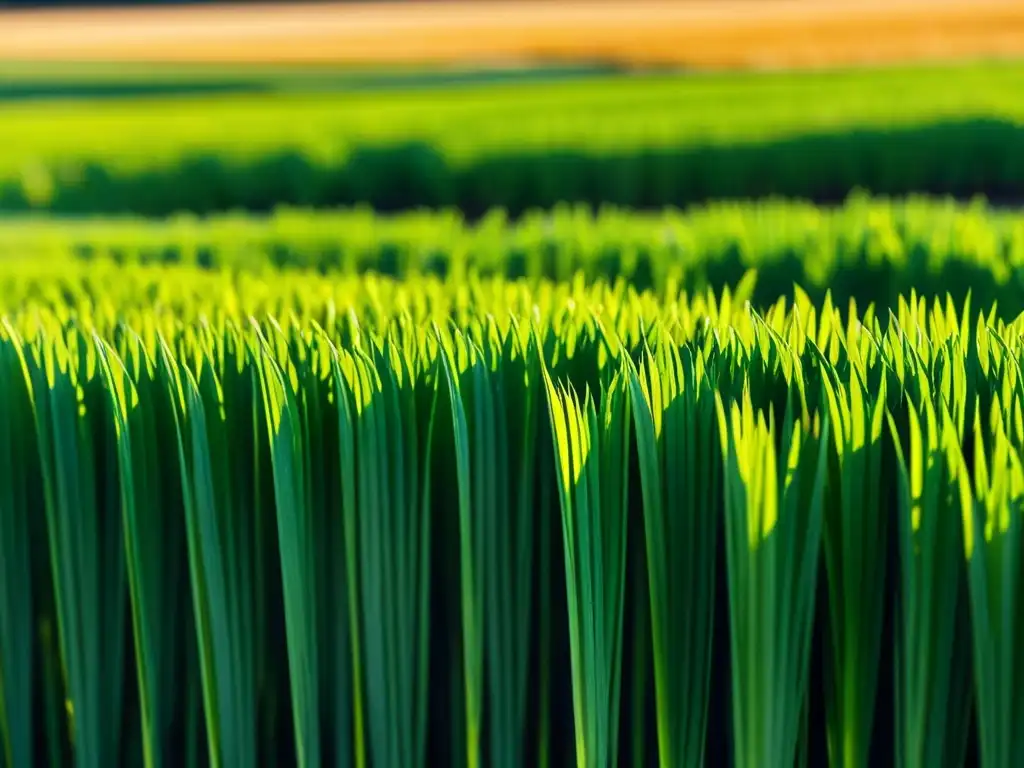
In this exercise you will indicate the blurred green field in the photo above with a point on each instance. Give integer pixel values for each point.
(867, 250)
(640, 140)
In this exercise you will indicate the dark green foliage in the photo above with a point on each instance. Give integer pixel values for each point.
(962, 158)
(19, 495)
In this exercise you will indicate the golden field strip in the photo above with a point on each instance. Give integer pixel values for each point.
(697, 33)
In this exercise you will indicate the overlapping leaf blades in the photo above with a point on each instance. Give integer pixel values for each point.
(993, 547)
(154, 534)
(386, 416)
(592, 441)
(774, 493)
(676, 434)
(932, 688)
(77, 446)
(495, 410)
(249, 490)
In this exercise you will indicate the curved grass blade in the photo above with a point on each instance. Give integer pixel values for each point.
(297, 538)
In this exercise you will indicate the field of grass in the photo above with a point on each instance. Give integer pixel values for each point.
(639, 140)
(430, 522)
(396, 419)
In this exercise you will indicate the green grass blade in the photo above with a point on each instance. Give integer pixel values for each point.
(20, 493)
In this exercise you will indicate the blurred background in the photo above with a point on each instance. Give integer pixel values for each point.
(159, 109)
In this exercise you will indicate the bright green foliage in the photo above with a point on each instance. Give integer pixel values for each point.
(592, 441)
(78, 450)
(673, 407)
(304, 517)
(386, 417)
(154, 537)
(993, 544)
(774, 504)
(855, 551)
(235, 497)
(493, 388)
(932, 680)
(652, 110)
(219, 427)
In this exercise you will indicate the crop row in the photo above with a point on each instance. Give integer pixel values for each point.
(488, 523)
(867, 249)
(961, 158)
(640, 141)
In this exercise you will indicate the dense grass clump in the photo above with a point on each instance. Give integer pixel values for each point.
(348, 521)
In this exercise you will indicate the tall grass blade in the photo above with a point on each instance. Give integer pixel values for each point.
(20, 497)
(222, 515)
(932, 666)
(855, 548)
(680, 473)
(386, 421)
(154, 540)
(774, 506)
(78, 449)
(593, 444)
(993, 542)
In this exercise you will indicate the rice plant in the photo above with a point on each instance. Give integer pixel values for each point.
(495, 416)
(774, 507)
(154, 539)
(78, 458)
(302, 418)
(593, 444)
(932, 685)
(992, 541)
(673, 407)
(219, 426)
(385, 416)
(855, 546)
